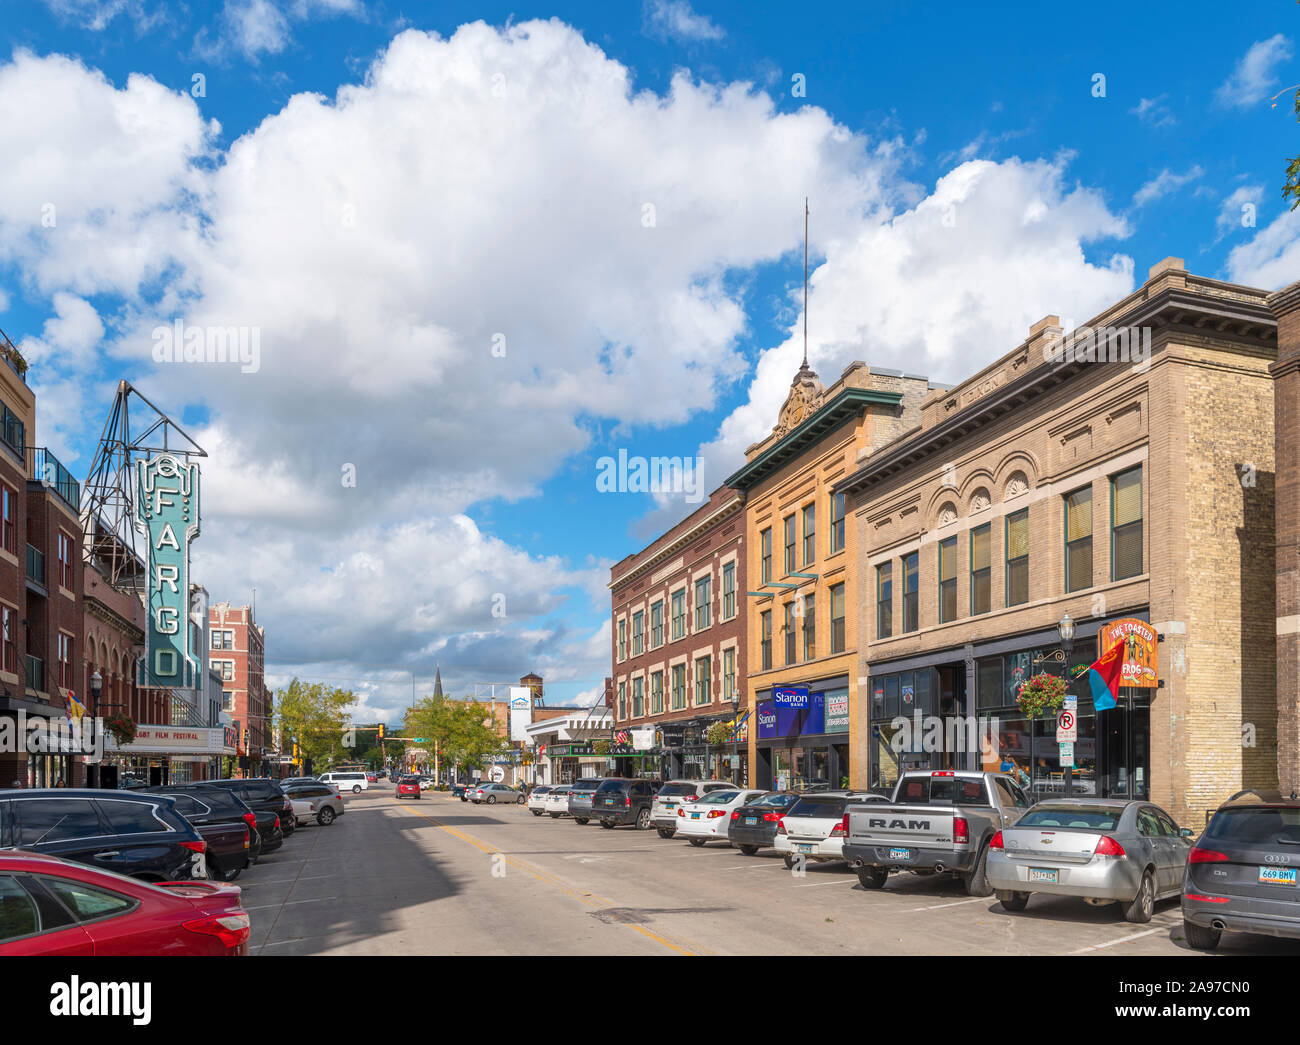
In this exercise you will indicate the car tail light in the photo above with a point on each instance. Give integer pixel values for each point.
(251, 820)
(841, 830)
(627, 800)
(943, 772)
(1206, 899)
(773, 817)
(960, 830)
(996, 841)
(1108, 847)
(231, 929)
(247, 840)
(1205, 856)
(692, 798)
(780, 826)
(735, 814)
(277, 821)
(681, 812)
(716, 813)
(197, 847)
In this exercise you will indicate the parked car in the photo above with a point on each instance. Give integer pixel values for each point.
(270, 829)
(581, 792)
(556, 802)
(372, 778)
(409, 785)
(753, 825)
(262, 794)
(355, 782)
(209, 807)
(708, 817)
(50, 906)
(537, 799)
(133, 833)
(1242, 873)
(673, 794)
(816, 826)
(319, 802)
(461, 791)
(1102, 851)
(227, 852)
(493, 793)
(938, 822)
(625, 800)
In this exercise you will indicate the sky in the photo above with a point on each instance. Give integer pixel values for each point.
(479, 248)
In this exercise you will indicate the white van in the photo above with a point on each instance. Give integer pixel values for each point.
(354, 782)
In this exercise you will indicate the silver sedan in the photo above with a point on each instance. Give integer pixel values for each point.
(1103, 851)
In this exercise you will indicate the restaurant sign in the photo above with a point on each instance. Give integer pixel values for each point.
(1141, 662)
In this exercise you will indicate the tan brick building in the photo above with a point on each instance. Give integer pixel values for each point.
(1047, 484)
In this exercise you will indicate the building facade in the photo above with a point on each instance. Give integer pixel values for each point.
(237, 651)
(801, 563)
(679, 649)
(1069, 478)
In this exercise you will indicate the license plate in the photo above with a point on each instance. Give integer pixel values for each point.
(805, 849)
(751, 820)
(670, 805)
(1042, 874)
(1277, 875)
(900, 854)
(695, 816)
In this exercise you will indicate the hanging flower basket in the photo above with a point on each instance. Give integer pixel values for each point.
(122, 727)
(1041, 695)
(600, 747)
(718, 734)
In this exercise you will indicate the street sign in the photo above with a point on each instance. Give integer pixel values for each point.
(1067, 755)
(498, 774)
(1071, 702)
(1067, 728)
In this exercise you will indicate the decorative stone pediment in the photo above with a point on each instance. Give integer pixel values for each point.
(805, 399)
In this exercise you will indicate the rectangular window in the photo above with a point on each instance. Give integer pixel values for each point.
(703, 681)
(837, 618)
(622, 700)
(729, 674)
(789, 545)
(65, 560)
(227, 701)
(223, 640)
(765, 637)
(809, 627)
(638, 633)
(911, 593)
(1018, 557)
(656, 624)
(884, 600)
(1126, 525)
(9, 621)
(226, 668)
(728, 590)
(837, 522)
(809, 534)
(622, 640)
(679, 687)
(638, 698)
(765, 551)
(657, 693)
(980, 569)
(9, 499)
(1078, 539)
(948, 580)
(65, 661)
(679, 614)
(703, 599)
(790, 635)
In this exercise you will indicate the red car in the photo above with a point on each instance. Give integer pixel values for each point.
(409, 786)
(50, 906)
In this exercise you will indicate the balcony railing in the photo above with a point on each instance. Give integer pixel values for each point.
(35, 673)
(12, 357)
(43, 467)
(36, 565)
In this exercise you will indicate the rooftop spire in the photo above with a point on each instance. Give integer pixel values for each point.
(437, 681)
(805, 284)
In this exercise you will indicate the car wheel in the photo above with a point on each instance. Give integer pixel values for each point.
(643, 820)
(582, 820)
(224, 876)
(789, 861)
(667, 832)
(872, 877)
(554, 816)
(1201, 938)
(356, 789)
(977, 882)
(492, 800)
(697, 842)
(535, 812)
(520, 800)
(607, 824)
(749, 850)
(1144, 904)
(1013, 901)
(325, 817)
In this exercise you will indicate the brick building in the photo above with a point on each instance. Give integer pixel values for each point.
(237, 652)
(679, 644)
(1047, 484)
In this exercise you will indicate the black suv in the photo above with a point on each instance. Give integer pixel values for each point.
(203, 804)
(1242, 875)
(128, 832)
(262, 794)
(623, 800)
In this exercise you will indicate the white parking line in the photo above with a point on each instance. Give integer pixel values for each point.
(814, 885)
(290, 903)
(955, 903)
(1125, 939)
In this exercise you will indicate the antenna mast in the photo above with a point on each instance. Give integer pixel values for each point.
(805, 283)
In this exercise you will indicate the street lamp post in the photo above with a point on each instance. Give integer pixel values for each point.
(96, 688)
(1065, 629)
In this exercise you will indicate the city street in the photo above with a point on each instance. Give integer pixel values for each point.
(417, 877)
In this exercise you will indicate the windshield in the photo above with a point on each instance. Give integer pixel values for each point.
(718, 798)
(814, 806)
(1276, 826)
(1093, 818)
(677, 790)
(611, 785)
(927, 790)
(777, 801)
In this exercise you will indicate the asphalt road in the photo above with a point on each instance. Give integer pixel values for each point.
(439, 876)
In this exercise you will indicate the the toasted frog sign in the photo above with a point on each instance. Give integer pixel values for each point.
(167, 512)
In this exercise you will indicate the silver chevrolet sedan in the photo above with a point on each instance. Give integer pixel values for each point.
(1103, 851)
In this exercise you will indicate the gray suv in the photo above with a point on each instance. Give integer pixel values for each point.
(1242, 874)
(580, 798)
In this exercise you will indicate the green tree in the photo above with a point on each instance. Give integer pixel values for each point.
(317, 715)
(458, 728)
(1291, 190)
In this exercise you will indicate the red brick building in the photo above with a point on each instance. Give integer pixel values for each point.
(237, 646)
(679, 643)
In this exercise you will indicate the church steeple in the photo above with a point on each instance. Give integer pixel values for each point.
(437, 681)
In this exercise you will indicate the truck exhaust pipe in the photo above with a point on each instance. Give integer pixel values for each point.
(938, 868)
(1218, 924)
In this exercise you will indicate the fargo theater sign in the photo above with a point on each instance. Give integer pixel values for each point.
(167, 513)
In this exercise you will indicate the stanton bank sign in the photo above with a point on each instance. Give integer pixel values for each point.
(167, 513)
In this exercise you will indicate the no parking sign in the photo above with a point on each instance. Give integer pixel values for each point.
(1067, 728)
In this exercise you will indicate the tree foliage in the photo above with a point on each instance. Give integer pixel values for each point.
(1291, 190)
(316, 715)
(457, 726)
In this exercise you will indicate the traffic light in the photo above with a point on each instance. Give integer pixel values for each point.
(381, 731)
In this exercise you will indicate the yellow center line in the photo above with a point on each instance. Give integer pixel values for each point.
(589, 899)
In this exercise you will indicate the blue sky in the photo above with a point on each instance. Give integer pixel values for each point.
(1064, 189)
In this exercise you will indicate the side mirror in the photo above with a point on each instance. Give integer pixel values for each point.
(1185, 832)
